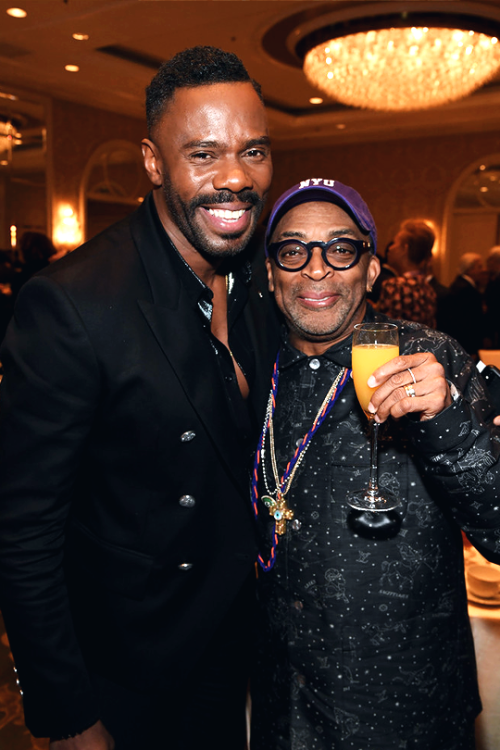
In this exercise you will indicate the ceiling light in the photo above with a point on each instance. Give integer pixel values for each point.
(340, 126)
(16, 12)
(315, 100)
(403, 61)
(80, 37)
(9, 139)
(12, 97)
(72, 68)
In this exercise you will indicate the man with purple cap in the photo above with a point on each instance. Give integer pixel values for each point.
(364, 638)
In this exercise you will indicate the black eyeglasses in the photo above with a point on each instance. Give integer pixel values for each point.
(340, 253)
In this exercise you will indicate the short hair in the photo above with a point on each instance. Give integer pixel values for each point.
(420, 238)
(466, 262)
(493, 259)
(196, 66)
(36, 247)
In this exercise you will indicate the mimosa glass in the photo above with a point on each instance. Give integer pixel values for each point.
(373, 344)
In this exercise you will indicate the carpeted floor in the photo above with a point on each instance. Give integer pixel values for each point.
(13, 733)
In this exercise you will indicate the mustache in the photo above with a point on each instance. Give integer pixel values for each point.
(226, 196)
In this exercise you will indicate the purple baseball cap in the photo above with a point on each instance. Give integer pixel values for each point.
(329, 191)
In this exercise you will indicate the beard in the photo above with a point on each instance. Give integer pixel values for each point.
(183, 214)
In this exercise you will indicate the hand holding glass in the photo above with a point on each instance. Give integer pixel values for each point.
(373, 344)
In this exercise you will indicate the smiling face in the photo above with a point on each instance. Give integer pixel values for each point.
(210, 155)
(321, 306)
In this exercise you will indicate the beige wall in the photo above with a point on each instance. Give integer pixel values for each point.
(400, 179)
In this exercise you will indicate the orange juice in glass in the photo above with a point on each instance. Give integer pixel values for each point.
(373, 344)
(366, 358)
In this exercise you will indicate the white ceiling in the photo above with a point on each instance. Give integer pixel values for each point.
(34, 51)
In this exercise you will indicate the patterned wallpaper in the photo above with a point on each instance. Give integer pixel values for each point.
(399, 179)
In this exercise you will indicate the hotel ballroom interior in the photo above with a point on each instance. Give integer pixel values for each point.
(72, 81)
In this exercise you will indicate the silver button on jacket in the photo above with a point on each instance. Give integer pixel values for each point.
(187, 436)
(187, 501)
(185, 566)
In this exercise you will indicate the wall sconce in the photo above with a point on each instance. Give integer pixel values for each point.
(67, 231)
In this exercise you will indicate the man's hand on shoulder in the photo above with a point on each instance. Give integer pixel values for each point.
(95, 737)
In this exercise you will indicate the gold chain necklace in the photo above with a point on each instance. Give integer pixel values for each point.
(275, 500)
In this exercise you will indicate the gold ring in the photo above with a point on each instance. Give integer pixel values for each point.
(410, 390)
(412, 375)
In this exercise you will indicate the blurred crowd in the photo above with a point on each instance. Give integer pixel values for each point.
(468, 310)
(17, 265)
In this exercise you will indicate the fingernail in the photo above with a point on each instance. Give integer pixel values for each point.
(371, 408)
(371, 382)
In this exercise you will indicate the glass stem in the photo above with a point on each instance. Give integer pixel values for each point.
(373, 484)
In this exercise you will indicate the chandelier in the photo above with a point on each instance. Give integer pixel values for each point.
(9, 137)
(401, 62)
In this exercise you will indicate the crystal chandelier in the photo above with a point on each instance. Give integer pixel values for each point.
(401, 67)
(9, 137)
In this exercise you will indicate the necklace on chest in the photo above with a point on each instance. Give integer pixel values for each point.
(275, 500)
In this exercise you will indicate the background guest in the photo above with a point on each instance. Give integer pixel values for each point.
(442, 295)
(408, 295)
(492, 297)
(466, 317)
(36, 250)
(386, 272)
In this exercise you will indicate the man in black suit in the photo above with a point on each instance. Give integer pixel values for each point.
(465, 304)
(126, 539)
(492, 297)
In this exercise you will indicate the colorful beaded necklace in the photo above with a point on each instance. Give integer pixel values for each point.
(275, 501)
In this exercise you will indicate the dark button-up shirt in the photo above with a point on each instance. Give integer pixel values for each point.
(238, 275)
(365, 642)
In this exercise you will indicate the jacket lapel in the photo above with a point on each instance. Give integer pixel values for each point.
(178, 328)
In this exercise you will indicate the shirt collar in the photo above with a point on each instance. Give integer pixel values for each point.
(339, 353)
(237, 270)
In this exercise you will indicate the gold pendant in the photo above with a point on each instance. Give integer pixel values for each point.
(279, 510)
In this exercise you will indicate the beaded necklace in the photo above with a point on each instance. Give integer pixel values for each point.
(275, 500)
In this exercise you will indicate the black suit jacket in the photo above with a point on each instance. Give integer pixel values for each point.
(108, 370)
(465, 318)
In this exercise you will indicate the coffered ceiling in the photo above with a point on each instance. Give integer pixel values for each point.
(127, 38)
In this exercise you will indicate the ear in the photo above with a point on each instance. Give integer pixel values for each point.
(270, 279)
(372, 272)
(152, 162)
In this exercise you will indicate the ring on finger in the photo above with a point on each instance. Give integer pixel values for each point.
(410, 390)
(412, 375)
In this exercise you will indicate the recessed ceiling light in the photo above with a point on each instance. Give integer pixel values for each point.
(12, 97)
(72, 68)
(80, 37)
(340, 126)
(16, 12)
(315, 100)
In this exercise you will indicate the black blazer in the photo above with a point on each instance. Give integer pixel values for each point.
(109, 374)
(465, 315)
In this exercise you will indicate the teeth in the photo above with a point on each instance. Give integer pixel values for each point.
(226, 214)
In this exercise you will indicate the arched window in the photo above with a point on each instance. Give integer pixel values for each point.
(113, 184)
(473, 212)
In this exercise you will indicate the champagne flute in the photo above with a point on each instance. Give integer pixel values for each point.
(373, 344)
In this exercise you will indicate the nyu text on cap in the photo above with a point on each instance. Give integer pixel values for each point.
(329, 191)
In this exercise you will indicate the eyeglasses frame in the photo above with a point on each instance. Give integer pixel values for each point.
(360, 246)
